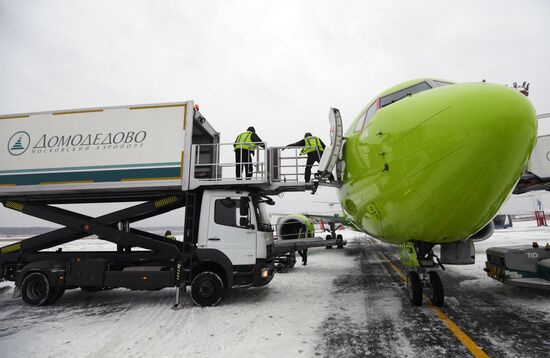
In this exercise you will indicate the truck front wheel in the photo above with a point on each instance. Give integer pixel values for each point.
(36, 289)
(207, 289)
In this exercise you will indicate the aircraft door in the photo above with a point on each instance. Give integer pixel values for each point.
(332, 153)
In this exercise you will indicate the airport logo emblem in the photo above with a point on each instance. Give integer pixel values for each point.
(18, 143)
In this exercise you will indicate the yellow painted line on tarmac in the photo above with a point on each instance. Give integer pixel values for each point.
(474, 349)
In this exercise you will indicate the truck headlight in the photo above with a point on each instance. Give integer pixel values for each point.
(265, 273)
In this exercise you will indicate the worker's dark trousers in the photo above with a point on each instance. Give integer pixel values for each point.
(243, 156)
(311, 159)
(303, 255)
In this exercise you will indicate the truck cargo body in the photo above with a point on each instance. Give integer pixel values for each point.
(115, 149)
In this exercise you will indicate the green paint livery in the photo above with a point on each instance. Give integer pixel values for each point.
(435, 165)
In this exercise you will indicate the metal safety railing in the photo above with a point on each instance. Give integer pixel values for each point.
(222, 163)
(286, 165)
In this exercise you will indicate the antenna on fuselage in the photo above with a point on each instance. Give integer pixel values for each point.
(523, 88)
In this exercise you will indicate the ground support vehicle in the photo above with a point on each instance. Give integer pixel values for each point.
(523, 266)
(161, 157)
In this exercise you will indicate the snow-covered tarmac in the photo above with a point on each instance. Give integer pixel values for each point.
(344, 303)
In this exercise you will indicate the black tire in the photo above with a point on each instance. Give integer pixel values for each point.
(207, 289)
(56, 294)
(280, 268)
(414, 285)
(339, 241)
(36, 289)
(328, 237)
(436, 292)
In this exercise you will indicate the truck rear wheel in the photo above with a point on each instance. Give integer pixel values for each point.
(56, 294)
(207, 289)
(36, 289)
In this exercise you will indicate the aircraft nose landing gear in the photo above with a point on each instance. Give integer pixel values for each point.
(428, 282)
(420, 281)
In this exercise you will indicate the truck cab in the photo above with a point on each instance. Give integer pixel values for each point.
(235, 229)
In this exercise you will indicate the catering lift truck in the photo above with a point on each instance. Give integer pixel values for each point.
(162, 156)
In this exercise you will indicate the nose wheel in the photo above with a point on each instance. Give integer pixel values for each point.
(435, 289)
(414, 285)
(420, 257)
(430, 282)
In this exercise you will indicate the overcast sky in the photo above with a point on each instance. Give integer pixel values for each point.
(277, 65)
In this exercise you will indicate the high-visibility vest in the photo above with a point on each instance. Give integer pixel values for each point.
(312, 144)
(244, 141)
(171, 237)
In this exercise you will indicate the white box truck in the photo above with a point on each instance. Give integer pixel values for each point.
(164, 156)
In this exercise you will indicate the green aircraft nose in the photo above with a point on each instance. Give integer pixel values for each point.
(460, 150)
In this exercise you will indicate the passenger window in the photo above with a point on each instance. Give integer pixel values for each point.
(360, 123)
(227, 212)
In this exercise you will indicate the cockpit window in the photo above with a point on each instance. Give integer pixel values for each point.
(365, 117)
(396, 96)
(370, 112)
(360, 123)
(441, 83)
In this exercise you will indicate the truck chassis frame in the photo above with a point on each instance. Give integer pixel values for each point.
(174, 259)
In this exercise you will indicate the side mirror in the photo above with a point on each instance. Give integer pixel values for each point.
(243, 207)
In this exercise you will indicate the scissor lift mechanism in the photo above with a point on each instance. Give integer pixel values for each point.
(113, 227)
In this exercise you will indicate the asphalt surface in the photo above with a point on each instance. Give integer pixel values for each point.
(392, 327)
(351, 306)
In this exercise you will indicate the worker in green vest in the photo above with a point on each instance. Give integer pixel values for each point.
(313, 147)
(168, 235)
(245, 145)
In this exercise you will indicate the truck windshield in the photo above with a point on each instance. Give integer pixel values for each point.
(262, 215)
(396, 96)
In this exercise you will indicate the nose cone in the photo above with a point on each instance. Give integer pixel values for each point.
(469, 152)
